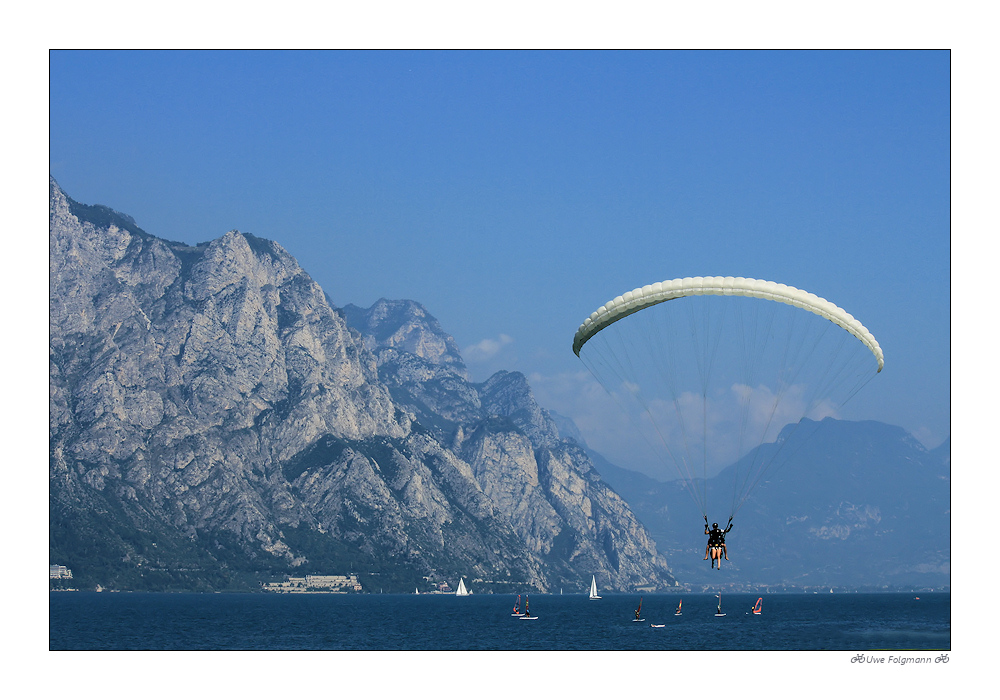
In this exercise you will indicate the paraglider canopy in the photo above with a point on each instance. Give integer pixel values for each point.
(651, 294)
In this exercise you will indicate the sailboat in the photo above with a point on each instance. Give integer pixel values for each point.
(718, 610)
(593, 588)
(756, 607)
(638, 611)
(517, 608)
(416, 591)
(679, 603)
(527, 615)
(461, 588)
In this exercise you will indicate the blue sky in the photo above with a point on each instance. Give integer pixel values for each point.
(514, 193)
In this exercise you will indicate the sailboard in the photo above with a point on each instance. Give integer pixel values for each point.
(718, 610)
(756, 607)
(637, 612)
(517, 608)
(657, 625)
(527, 615)
(679, 603)
(593, 588)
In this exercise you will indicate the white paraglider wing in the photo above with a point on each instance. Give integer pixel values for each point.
(643, 297)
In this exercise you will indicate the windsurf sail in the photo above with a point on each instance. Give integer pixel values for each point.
(639, 609)
(679, 603)
(517, 605)
(756, 607)
(527, 615)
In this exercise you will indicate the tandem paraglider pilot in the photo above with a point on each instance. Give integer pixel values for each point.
(716, 547)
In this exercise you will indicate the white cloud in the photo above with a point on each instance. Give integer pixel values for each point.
(667, 439)
(486, 349)
(604, 425)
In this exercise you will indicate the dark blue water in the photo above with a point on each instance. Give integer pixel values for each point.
(163, 621)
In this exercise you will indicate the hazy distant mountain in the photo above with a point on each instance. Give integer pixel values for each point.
(943, 451)
(215, 421)
(860, 504)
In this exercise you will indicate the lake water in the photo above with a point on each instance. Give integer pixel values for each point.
(178, 621)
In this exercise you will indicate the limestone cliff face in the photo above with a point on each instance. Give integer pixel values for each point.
(209, 408)
(182, 377)
(406, 326)
(546, 486)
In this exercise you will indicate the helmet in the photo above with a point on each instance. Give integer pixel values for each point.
(715, 524)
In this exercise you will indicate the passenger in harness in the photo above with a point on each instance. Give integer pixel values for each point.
(716, 546)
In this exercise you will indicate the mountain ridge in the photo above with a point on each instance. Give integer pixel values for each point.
(865, 505)
(215, 421)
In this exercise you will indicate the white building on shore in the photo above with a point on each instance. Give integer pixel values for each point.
(315, 584)
(58, 571)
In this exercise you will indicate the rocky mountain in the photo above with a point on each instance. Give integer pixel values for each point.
(857, 504)
(214, 422)
(546, 486)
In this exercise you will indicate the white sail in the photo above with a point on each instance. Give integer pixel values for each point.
(593, 588)
(461, 588)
